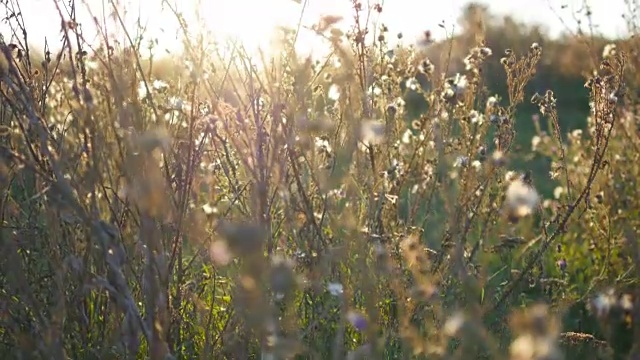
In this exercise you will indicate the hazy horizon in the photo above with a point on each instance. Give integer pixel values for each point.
(251, 21)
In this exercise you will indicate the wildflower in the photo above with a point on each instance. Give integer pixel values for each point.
(523, 347)
(372, 132)
(521, 199)
(413, 84)
(530, 347)
(453, 325)
(469, 63)
(392, 110)
(603, 303)
(495, 119)
(323, 146)
(334, 92)
(336, 193)
(510, 175)
(461, 161)
(374, 90)
(609, 50)
(460, 83)
(576, 133)
(562, 264)
(482, 152)
(626, 302)
(142, 90)
(209, 210)
(357, 320)
(476, 164)
(448, 93)
(535, 141)
(427, 67)
(219, 253)
(160, 85)
(535, 118)
(474, 117)
(407, 136)
(492, 101)
(176, 103)
(455, 86)
(498, 158)
(335, 289)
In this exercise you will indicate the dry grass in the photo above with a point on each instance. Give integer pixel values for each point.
(296, 209)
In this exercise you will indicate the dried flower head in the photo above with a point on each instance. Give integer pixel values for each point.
(372, 132)
(335, 289)
(521, 199)
(609, 50)
(454, 324)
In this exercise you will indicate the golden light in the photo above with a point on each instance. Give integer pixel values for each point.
(251, 23)
(254, 23)
(247, 22)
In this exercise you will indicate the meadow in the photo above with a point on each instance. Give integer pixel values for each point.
(467, 198)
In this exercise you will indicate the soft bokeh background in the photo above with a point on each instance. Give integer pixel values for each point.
(251, 21)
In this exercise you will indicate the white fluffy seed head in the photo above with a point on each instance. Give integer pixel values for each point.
(521, 198)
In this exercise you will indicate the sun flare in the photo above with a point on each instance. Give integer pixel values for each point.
(247, 22)
(251, 23)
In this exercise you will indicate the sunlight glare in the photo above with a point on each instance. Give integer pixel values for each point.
(250, 23)
(253, 22)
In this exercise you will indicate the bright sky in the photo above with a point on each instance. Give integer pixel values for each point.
(251, 21)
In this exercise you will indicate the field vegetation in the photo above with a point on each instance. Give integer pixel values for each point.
(473, 197)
